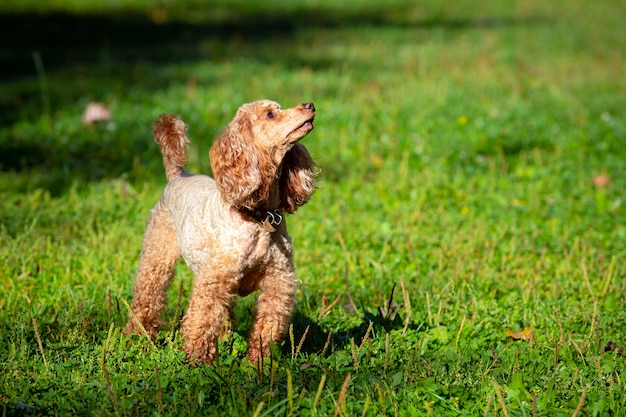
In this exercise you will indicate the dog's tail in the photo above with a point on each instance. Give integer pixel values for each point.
(170, 133)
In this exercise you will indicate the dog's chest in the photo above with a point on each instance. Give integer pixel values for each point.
(261, 252)
(256, 250)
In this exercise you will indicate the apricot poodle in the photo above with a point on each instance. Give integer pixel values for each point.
(230, 230)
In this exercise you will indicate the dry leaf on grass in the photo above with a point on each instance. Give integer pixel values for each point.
(601, 181)
(519, 335)
(96, 112)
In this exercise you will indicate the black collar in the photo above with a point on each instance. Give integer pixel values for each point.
(270, 219)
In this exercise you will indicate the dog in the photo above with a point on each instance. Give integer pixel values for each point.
(230, 229)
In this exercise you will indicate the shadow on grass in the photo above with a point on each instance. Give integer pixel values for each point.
(161, 36)
(317, 340)
(104, 53)
(310, 337)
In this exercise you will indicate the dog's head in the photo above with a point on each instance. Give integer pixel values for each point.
(260, 150)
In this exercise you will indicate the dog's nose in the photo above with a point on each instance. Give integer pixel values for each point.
(309, 106)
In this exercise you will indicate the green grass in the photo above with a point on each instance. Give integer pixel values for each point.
(459, 142)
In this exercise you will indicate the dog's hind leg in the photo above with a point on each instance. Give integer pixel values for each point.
(159, 255)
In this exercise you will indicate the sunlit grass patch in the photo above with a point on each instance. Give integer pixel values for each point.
(463, 254)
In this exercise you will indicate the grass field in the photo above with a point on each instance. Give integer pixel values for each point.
(463, 255)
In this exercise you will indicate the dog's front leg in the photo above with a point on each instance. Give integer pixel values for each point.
(209, 309)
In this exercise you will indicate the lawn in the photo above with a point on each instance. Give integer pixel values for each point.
(463, 254)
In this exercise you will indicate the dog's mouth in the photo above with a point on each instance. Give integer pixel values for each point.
(302, 130)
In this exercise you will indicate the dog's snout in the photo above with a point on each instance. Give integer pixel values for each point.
(309, 106)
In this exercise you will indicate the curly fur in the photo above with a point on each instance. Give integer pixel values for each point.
(217, 226)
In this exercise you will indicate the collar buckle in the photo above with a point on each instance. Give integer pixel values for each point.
(272, 220)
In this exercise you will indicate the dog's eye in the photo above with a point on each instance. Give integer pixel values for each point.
(270, 115)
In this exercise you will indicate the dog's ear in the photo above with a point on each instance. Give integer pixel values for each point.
(297, 181)
(235, 165)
